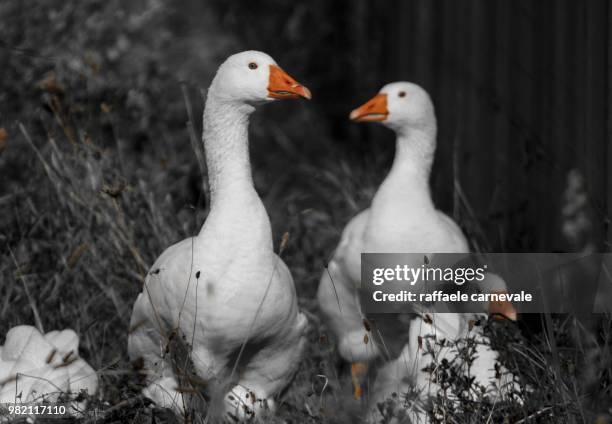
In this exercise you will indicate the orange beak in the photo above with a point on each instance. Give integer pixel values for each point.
(282, 86)
(374, 110)
(501, 310)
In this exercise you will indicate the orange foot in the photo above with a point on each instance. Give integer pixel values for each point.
(358, 371)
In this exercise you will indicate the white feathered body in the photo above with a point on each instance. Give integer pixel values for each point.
(224, 294)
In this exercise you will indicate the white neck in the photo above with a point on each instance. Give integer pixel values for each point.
(408, 180)
(226, 145)
(414, 154)
(235, 206)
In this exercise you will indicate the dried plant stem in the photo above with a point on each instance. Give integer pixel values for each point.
(37, 319)
(193, 138)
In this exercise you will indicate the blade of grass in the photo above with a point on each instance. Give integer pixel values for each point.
(22, 278)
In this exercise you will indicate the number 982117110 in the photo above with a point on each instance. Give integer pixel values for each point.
(38, 410)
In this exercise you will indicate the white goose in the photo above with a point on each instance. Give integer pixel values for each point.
(224, 294)
(436, 341)
(402, 218)
(35, 366)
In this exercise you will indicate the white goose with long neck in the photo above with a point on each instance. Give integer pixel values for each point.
(217, 322)
(402, 218)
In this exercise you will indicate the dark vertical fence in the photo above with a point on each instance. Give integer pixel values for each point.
(595, 94)
(522, 90)
(608, 135)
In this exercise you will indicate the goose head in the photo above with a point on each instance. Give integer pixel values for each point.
(500, 310)
(253, 77)
(401, 106)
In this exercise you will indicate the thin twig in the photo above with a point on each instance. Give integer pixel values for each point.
(334, 287)
(535, 414)
(37, 319)
(193, 137)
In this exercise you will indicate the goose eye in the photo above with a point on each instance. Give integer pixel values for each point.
(252, 65)
(402, 94)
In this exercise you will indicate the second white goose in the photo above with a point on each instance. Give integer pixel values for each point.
(402, 218)
(224, 294)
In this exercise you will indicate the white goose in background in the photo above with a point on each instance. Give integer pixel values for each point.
(224, 294)
(34, 366)
(403, 219)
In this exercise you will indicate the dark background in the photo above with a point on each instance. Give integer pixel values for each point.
(100, 115)
(522, 89)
